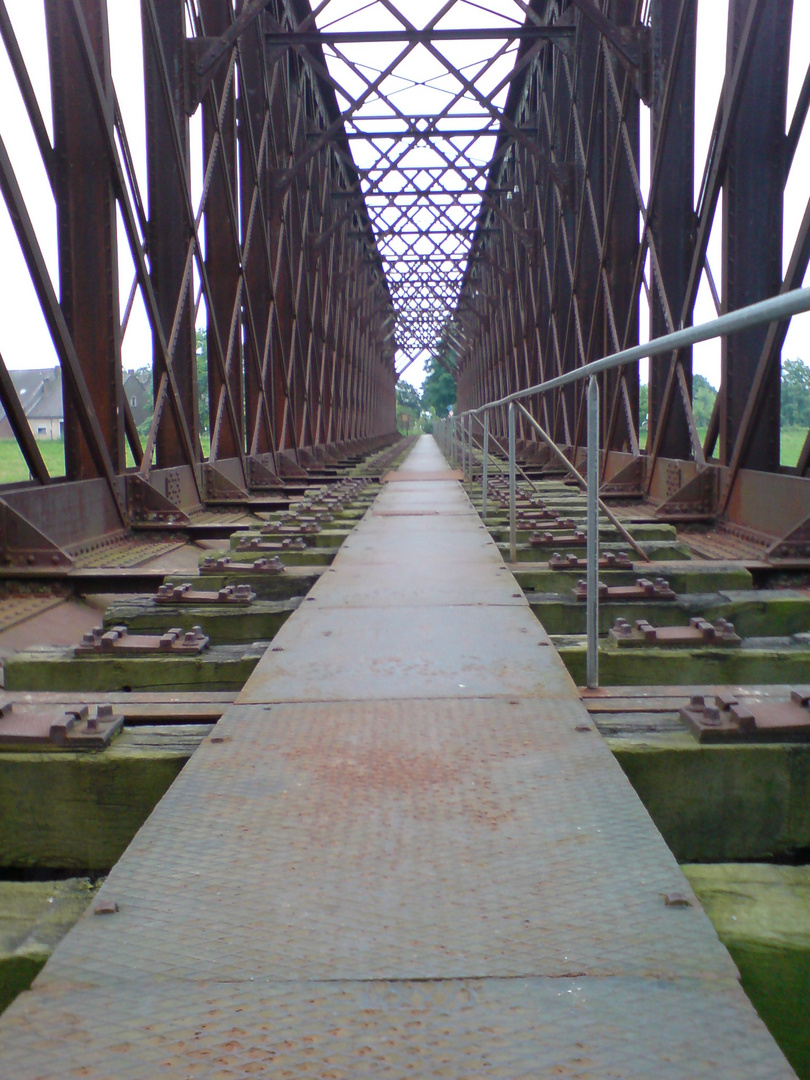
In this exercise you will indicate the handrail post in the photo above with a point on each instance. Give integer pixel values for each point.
(485, 468)
(512, 487)
(592, 613)
(470, 451)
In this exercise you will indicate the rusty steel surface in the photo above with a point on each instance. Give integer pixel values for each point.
(449, 885)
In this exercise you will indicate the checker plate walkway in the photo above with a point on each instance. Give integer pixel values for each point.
(404, 852)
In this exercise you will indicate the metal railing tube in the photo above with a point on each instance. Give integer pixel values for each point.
(592, 613)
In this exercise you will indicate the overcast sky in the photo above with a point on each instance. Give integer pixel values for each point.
(24, 341)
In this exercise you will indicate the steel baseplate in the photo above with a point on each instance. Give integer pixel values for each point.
(576, 538)
(175, 642)
(253, 543)
(291, 530)
(529, 518)
(611, 560)
(699, 632)
(80, 727)
(225, 565)
(186, 594)
(644, 589)
(728, 720)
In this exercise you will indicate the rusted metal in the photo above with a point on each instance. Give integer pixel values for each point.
(698, 633)
(117, 640)
(644, 589)
(76, 727)
(213, 564)
(727, 719)
(187, 594)
(290, 543)
(577, 538)
(610, 560)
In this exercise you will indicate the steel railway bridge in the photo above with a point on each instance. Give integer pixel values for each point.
(403, 849)
(334, 231)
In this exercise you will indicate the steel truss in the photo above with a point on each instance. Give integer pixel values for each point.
(571, 218)
(280, 258)
(344, 221)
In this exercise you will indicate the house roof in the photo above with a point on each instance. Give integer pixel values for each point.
(39, 391)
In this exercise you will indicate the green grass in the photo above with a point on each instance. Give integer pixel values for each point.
(12, 464)
(792, 443)
(13, 469)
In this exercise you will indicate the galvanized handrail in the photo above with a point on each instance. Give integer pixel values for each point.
(777, 308)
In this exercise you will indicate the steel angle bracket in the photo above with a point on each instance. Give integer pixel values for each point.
(23, 546)
(80, 727)
(149, 508)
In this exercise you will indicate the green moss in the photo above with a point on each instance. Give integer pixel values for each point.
(762, 916)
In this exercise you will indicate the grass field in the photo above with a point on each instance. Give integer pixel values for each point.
(13, 468)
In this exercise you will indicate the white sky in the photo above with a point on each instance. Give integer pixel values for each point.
(24, 340)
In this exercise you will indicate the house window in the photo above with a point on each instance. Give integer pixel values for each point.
(133, 402)
(42, 431)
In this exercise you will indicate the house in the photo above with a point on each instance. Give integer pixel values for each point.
(40, 394)
(138, 391)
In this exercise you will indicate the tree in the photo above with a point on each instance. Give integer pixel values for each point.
(439, 389)
(795, 394)
(202, 379)
(408, 397)
(703, 395)
(409, 405)
(703, 398)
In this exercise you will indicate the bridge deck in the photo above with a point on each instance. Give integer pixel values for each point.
(404, 852)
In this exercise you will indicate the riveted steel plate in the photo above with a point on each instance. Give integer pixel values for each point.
(398, 839)
(443, 652)
(515, 1029)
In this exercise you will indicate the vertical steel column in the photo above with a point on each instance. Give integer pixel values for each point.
(222, 259)
(671, 214)
(254, 211)
(86, 231)
(169, 233)
(485, 467)
(752, 226)
(622, 225)
(512, 487)
(592, 613)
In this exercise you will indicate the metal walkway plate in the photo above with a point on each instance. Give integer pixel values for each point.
(405, 851)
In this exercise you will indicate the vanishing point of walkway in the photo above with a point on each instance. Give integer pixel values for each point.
(404, 852)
